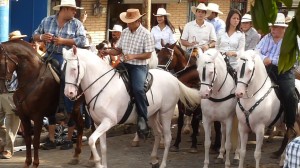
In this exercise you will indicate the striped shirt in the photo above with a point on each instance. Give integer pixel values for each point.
(13, 84)
(73, 29)
(252, 38)
(292, 157)
(138, 42)
(219, 25)
(269, 49)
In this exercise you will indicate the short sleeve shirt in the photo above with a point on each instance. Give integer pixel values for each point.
(137, 42)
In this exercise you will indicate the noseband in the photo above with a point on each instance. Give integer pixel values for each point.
(6, 59)
(165, 67)
(242, 73)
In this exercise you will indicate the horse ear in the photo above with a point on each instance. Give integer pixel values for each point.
(172, 46)
(74, 50)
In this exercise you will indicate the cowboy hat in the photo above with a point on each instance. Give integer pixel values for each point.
(67, 3)
(246, 18)
(131, 15)
(213, 8)
(116, 28)
(16, 35)
(201, 6)
(161, 12)
(280, 21)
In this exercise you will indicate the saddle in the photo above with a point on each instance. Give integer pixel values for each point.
(125, 77)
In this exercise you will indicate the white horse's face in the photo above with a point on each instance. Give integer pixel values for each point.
(245, 71)
(74, 73)
(207, 72)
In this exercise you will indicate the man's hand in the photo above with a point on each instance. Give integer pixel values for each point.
(58, 41)
(47, 37)
(267, 61)
(205, 47)
(230, 53)
(129, 57)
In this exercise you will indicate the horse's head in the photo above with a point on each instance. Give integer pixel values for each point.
(245, 71)
(207, 72)
(73, 73)
(165, 57)
(8, 61)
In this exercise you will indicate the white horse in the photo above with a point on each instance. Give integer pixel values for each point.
(218, 100)
(258, 105)
(106, 93)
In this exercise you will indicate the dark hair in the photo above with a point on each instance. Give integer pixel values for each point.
(168, 23)
(230, 14)
(101, 45)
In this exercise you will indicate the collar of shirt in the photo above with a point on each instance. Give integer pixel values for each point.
(203, 25)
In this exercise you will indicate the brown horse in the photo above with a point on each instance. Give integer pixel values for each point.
(173, 58)
(37, 94)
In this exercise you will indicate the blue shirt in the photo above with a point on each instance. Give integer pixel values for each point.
(13, 84)
(269, 49)
(73, 29)
(219, 25)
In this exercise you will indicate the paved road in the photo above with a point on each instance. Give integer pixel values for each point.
(122, 155)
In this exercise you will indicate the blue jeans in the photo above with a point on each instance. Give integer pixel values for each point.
(137, 75)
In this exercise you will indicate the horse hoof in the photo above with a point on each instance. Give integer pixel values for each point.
(155, 165)
(219, 161)
(90, 163)
(235, 162)
(135, 144)
(161, 146)
(193, 150)
(174, 149)
(73, 161)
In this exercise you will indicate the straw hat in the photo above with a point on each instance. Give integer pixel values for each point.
(201, 6)
(116, 28)
(213, 8)
(280, 21)
(16, 35)
(67, 3)
(161, 12)
(246, 18)
(131, 15)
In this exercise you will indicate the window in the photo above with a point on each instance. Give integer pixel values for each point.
(241, 5)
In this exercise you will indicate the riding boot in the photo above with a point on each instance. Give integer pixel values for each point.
(142, 128)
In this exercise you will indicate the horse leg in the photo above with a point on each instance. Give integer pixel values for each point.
(217, 142)
(105, 125)
(259, 141)
(157, 135)
(195, 126)
(175, 147)
(244, 138)
(27, 137)
(166, 122)
(103, 148)
(38, 124)
(236, 158)
(187, 123)
(77, 117)
(135, 141)
(220, 158)
(207, 141)
(228, 141)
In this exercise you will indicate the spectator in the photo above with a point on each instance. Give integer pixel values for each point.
(16, 35)
(292, 157)
(251, 35)
(214, 19)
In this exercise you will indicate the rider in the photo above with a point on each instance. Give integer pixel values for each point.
(61, 31)
(137, 44)
(251, 35)
(214, 19)
(164, 30)
(199, 32)
(269, 48)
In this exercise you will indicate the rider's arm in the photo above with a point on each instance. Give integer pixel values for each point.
(142, 56)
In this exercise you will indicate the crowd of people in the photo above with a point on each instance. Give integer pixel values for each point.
(133, 46)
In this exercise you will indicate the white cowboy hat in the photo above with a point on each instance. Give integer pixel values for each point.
(201, 6)
(213, 8)
(116, 28)
(130, 15)
(67, 3)
(161, 12)
(246, 18)
(16, 35)
(280, 21)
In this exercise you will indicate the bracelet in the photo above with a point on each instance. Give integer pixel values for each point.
(41, 37)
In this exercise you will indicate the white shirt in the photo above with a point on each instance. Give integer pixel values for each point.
(165, 34)
(202, 34)
(236, 42)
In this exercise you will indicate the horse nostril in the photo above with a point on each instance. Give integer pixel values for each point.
(71, 93)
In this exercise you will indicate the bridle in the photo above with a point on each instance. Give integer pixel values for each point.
(170, 58)
(242, 73)
(210, 85)
(7, 58)
(76, 84)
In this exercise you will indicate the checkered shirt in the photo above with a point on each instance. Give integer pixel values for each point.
(138, 42)
(292, 157)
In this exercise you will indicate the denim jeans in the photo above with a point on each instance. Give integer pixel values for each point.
(137, 75)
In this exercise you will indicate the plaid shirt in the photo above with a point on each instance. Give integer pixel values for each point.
(138, 42)
(73, 29)
(292, 157)
(13, 84)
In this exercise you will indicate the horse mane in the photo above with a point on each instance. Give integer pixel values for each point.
(21, 47)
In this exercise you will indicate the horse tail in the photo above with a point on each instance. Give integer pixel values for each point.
(188, 96)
